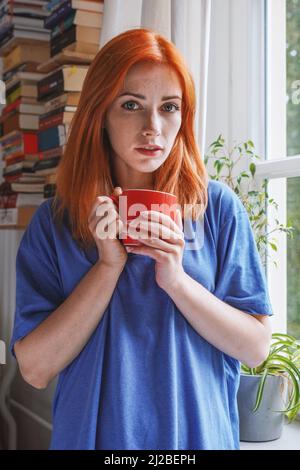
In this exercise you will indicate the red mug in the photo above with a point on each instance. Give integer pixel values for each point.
(133, 201)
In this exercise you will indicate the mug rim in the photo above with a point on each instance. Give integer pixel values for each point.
(150, 190)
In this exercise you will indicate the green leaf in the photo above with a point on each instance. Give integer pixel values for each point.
(252, 168)
(260, 390)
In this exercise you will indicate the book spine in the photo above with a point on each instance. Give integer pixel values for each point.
(12, 88)
(52, 5)
(48, 85)
(46, 164)
(65, 99)
(63, 40)
(11, 139)
(11, 106)
(6, 33)
(11, 169)
(26, 142)
(10, 75)
(14, 159)
(53, 152)
(11, 123)
(12, 59)
(14, 95)
(52, 112)
(30, 142)
(11, 178)
(63, 26)
(52, 137)
(52, 121)
(58, 15)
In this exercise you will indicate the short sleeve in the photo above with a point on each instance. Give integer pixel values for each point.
(241, 279)
(38, 284)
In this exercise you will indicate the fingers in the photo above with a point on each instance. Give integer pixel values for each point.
(108, 227)
(104, 201)
(156, 231)
(159, 217)
(117, 191)
(104, 208)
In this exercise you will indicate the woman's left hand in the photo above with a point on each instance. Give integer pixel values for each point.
(167, 252)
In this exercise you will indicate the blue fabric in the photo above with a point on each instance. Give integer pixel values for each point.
(145, 379)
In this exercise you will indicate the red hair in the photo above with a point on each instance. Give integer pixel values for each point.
(84, 171)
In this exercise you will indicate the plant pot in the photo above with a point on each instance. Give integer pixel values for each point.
(266, 423)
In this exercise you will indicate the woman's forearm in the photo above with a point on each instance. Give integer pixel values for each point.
(49, 348)
(232, 331)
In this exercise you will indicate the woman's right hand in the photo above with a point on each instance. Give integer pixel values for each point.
(106, 225)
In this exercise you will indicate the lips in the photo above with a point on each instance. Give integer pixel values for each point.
(149, 153)
(150, 147)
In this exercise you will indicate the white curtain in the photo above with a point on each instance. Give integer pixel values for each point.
(184, 22)
(9, 242)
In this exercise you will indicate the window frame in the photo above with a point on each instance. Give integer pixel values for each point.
(277, 166)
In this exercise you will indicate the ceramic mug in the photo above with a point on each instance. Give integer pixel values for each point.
(133, 201)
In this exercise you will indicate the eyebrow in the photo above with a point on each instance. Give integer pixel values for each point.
(142, 97)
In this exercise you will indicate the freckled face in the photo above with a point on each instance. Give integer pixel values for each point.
(132, 121)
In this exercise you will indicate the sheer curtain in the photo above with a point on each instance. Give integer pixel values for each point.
(9, 242)
(184, 22)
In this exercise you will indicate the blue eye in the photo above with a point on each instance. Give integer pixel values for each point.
(123, 106)
(167, 104)
(174, 105)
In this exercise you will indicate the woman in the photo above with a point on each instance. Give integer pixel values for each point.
(146, 343)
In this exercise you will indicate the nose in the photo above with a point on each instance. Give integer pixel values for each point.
(152, 124)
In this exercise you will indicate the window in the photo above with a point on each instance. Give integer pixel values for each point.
(293, 258)
(293, 148)
(282, 164)
(293, 76)
(255, 98)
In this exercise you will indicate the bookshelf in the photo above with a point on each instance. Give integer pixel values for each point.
(45, 50)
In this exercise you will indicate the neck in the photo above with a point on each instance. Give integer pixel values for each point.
(144, 181)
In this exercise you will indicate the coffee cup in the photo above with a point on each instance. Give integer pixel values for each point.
(133, 201)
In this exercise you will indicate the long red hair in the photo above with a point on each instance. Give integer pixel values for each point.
(84, 171)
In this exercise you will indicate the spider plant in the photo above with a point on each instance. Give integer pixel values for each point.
(283, 359)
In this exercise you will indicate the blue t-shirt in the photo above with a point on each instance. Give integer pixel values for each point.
(145, 379)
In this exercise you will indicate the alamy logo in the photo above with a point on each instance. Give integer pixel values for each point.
(2, 352)
(193, 231)
(2, 92)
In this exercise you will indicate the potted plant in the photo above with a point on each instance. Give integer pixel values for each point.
(270, 391)
(224, 164)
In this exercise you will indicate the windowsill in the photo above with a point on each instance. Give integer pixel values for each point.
(289, 440)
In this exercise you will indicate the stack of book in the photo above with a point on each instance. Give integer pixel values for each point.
(43, 80)
(24, 45)
(75, 26)
(59, 91)
(21, 110)
(22, 21)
